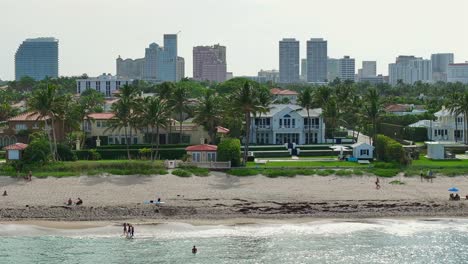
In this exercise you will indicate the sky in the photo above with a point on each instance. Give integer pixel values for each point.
(93, 33)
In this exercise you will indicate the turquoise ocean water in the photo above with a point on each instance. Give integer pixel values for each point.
(371, 241)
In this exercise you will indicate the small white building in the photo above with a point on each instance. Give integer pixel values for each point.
(363, 150)
(105, 84)
(436, 150)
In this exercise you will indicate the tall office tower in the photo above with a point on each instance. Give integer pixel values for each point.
(317, 60)
(129, 68)
(333, 69)
(150, 71)
(289, 60)
(37, 58)
(410, 69)
(458, 72)
(209, 63)
(440, 62)
(347, 69)
(304, 70)
(369, 69)
(167, 59)
(180, 68)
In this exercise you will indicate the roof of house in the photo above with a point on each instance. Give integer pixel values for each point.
(28, 116)
(204, 147)
(277, 91)
(397, 108)
(275, 108)
(421, 123)
(16, 146)
(222, 130)
(104, 116)
(361, 144)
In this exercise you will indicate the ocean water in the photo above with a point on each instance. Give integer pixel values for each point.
(371, 241)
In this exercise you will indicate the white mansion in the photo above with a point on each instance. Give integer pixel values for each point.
(288, 123)
(447, 127)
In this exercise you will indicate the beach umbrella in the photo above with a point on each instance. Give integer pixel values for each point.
(453, 189)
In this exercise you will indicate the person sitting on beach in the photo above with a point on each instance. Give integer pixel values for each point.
(452, 197)
(466, 197)
(79, 201)
(69, 202)
(159, 200)
(194, 250)
(6, 194)
(457, 197)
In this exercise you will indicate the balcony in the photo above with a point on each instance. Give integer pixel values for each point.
(263, 127)
(306, 127)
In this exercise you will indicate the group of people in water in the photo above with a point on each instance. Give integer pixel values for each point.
(78, 201)
(128, 230)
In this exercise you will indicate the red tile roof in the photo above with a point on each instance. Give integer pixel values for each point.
(204, 147)
(28, 116)
(101, 115)
(222, 130)
(16, 146)
(277, 91)
(397, 108)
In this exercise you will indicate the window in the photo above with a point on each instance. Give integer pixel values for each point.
(117, 85)
(88, 84)
(98, 86)
(108, 89)
(196, 156)
(98, 123)
(211, 156)
(79, 87)
(111, 140)
(20, 127)
(364, 152)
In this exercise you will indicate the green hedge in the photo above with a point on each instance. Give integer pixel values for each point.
(389, 150)
(113, 154)
(140, 146)
(229, 150)
(2, 154)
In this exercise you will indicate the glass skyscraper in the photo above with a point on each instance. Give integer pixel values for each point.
(167, 59)
(37, 58)
(289, 60)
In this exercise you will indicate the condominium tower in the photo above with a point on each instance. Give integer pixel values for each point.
(317, 60)
(440, 63)
(161, 62)
(209, 63)
(289, 60)
(347, 68)
(37, 58)
(410, 69)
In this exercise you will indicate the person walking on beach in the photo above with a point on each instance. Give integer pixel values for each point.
(133, 231)
(30, 176)
(377, 183)
(125, 229)
(194, 250)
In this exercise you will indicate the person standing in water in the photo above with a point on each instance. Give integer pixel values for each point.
(125, 229)
(194, 250)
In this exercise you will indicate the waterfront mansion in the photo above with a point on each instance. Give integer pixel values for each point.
(288, 123)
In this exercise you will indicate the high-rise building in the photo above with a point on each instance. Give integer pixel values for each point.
(333, 69)
(304, 70)
(150, 72)
(289, 60)
(129, 68)
(410, 69)
(37, 58)
(369, 69)
(317, 60)
(457, 72)
(440, 62)
(180, 68)
(347, 68)
(209, 63)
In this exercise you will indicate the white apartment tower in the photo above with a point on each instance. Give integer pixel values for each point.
(289, 60)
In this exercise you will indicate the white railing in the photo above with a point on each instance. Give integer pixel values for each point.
(306, 127)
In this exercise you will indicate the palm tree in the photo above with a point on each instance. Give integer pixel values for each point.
(154, 113)
(245, 100)
(179, 101)
(45, 102)
(306, 101)
(459, 106)
(208, 114)
(124, 110)
(372, 109)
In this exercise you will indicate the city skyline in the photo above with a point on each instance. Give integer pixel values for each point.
(252, 45)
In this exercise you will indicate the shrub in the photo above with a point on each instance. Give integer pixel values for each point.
(181, 173)
(243, 172)
(94, 155)
(195, 170)
(229, 149)
(65, 153)
(273, 173)
(389, 150)
(38, 150)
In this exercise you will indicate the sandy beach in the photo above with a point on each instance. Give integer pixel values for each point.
(222, 197)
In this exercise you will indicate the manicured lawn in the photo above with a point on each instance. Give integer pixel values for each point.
(424, 162)
(306, 164)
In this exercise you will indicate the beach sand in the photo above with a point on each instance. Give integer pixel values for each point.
(224, 197)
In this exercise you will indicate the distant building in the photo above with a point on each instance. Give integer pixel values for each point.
(333, 69)
(105, 84)
(440, 63)
(289, 60)
(161, 62)
(405, 109)
(317, 60)
(280, 95)
(369, 68)
(209, 63)
(229, 75)
(151, 60)
(304, 70)
(180, 68)
(457, 72)
(373, 79)
(410, 69)
(347, 69)
(268, 76)
(37, 58)
(129, 68)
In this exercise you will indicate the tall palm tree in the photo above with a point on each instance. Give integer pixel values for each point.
(154, 113)
(245, 100)
(45, 102)
(179, 101)
(372, 109)
(124, 110)
(305, 100)
(165, 91)
(209, 114)
(459, 106)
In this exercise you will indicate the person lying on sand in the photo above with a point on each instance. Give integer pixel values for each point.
(69, 202)
(79, 201)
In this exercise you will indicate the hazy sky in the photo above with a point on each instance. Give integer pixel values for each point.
(92, 33)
